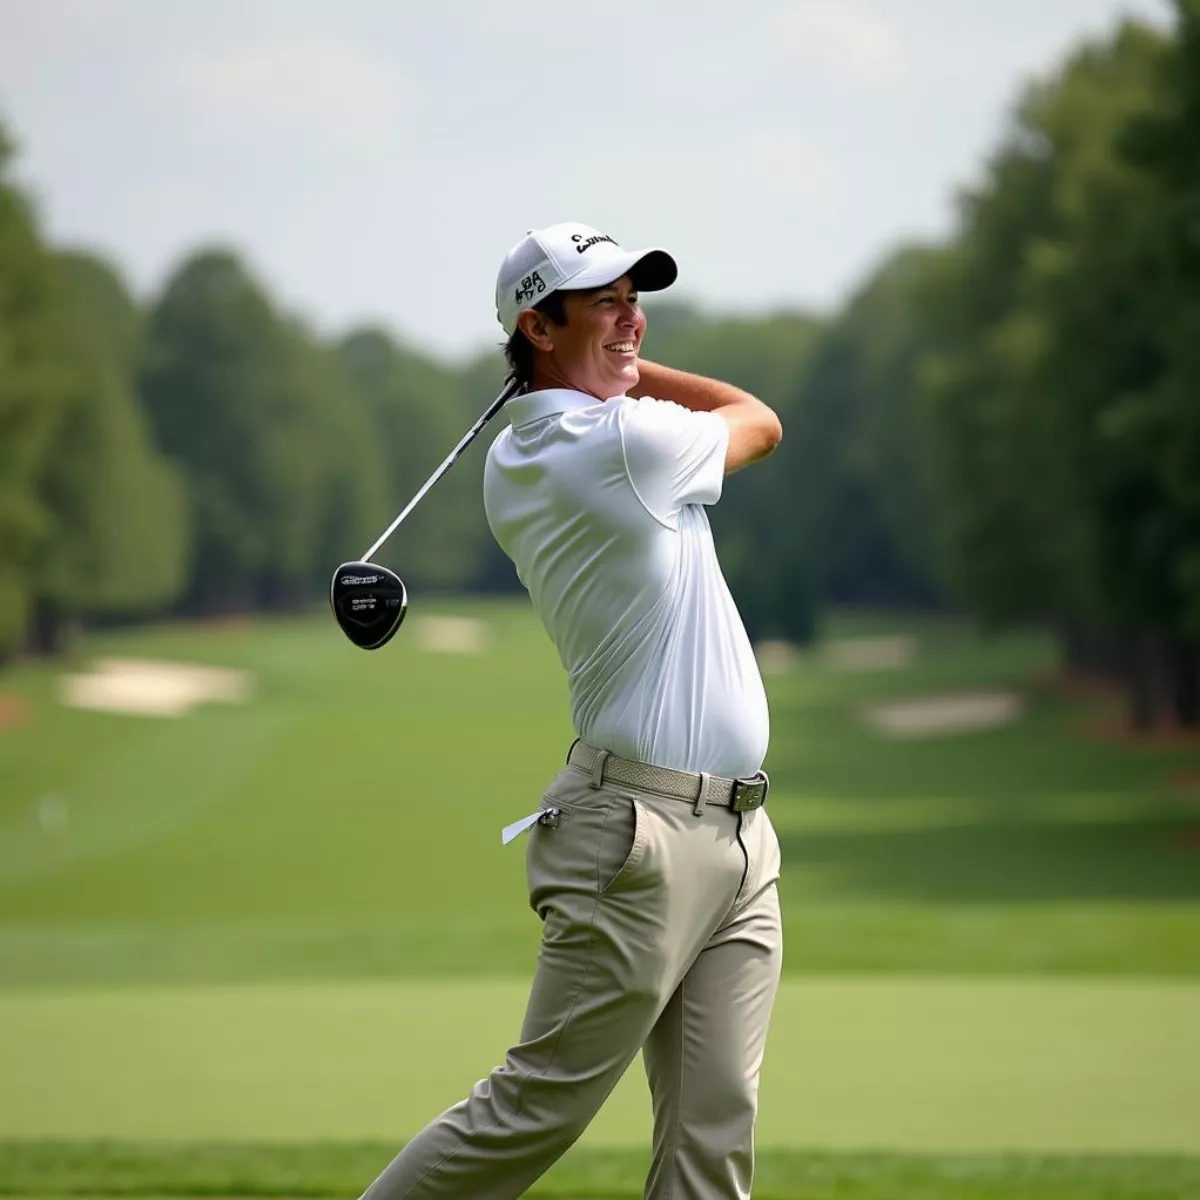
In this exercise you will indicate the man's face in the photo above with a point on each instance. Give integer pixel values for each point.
(596, 350)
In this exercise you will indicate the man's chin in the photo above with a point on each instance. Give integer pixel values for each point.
(608, 384)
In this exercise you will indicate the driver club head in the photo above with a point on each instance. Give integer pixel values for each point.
(369, 603)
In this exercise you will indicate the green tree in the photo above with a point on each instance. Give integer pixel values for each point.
(1054, 409)
(1160, 421)
(259, 421)
(116, 541)
(351, 483)
(419, 410)
(860, 506)
(34, 387)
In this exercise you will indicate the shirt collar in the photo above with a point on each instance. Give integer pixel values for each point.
(532, 406)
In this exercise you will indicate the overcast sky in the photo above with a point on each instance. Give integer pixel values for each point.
(374, 159)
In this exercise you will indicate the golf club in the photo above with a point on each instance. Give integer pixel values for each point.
(368, 600)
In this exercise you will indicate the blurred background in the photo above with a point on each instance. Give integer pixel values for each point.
(256, 925)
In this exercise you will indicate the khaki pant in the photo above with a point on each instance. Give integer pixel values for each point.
(662, 934)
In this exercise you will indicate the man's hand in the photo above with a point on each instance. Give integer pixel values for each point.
(754, 429)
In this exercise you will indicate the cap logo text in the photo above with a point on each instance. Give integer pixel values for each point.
(582, 243)
(532, 285)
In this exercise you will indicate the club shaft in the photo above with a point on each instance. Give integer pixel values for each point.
(471, 434)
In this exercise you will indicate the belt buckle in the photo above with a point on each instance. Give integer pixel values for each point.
(749, 793)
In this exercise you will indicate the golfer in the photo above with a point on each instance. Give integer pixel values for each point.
(651, 859)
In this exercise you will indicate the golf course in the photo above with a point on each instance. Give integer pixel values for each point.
(254, 938)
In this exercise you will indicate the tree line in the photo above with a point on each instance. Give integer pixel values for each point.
(1006, 422)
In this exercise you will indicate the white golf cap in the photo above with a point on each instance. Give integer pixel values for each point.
(571, 257)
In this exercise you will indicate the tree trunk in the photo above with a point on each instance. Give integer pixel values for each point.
(1185, 678)
(1090, 650)
(1148, 679)
(1072, 642)
(48, 630)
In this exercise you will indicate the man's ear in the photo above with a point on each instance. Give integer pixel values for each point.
(536, 327)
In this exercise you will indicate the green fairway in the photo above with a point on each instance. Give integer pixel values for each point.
(912, 1065)
(290, 923)
(345, 822)
(327, 1169)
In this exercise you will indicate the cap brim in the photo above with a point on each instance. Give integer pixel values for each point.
(650, 270)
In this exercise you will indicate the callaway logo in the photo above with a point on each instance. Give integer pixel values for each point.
(351, 580)
(582, 243)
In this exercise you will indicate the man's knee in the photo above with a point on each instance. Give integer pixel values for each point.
(718, 1110)
(731, 1104)
(564, 1111)
(557, 1104)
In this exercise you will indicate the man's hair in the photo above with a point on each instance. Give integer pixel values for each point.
(518, 350)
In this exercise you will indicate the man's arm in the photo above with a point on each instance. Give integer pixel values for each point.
(754, 429)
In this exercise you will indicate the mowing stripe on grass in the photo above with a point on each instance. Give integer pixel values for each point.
(328, 1169)
(912, 1065)
(181, 768)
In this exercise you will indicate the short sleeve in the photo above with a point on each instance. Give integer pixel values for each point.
(674, 456)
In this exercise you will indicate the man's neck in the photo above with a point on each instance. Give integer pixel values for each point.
(547, 378)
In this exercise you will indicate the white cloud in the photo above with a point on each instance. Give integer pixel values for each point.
(850, 39)
(794, 159)
(849, 33)
(334, 90)
(778, 146)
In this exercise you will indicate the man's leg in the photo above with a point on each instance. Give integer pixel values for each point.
(575, 1045)
(615, 940)
(704, 1055)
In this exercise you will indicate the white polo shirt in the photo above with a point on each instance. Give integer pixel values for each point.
(600, 507)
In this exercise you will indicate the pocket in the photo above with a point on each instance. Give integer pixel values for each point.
(622, 845)
(587, 847)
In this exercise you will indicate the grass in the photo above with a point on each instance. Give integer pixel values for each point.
(922, 1064)
(344, 1169)
(267, 933)
(310, 834)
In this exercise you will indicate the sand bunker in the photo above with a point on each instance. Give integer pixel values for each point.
(939, 716)
(886, 653)
(148, 688)
(452, 635)
(776, 658)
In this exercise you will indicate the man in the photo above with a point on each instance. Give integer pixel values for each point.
(651, 860)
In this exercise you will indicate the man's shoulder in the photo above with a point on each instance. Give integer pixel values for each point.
(555, 423)
(496, 449)
(662, 427)
(575, 441)
(528, 407)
